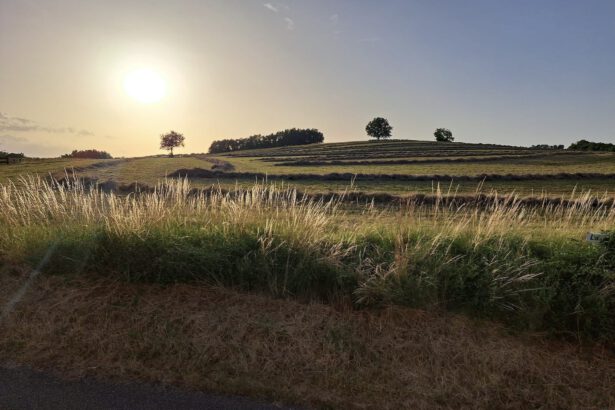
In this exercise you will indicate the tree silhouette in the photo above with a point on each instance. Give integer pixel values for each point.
(379, 128)
(584, 145)
(171, 140)
(444, 135)
(88, 153)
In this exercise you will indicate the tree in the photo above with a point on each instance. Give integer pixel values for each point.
(379, 128)
(444, 135)
(171, 140)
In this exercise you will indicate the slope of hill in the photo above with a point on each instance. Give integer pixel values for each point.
(396, 167)
(418, 158)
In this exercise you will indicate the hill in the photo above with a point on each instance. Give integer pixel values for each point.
(406, 165)
(396, 167)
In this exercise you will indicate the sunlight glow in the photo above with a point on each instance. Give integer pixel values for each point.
(145, 86)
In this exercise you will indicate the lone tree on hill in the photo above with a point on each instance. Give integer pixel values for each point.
(379, 128)
(171, 140)
(444, 135)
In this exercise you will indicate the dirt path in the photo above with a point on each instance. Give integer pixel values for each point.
(22, 389)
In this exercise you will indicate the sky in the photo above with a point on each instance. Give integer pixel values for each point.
(516, 72)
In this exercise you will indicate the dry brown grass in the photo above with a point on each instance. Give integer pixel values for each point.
(317, 355)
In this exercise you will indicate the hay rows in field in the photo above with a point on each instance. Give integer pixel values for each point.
(398, 147)
(207, 173)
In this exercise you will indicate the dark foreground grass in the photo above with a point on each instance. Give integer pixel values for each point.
(313, 355)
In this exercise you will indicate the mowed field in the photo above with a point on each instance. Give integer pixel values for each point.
(394, 167)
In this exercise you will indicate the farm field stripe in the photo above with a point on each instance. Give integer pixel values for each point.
(301, 163)
(347, 176)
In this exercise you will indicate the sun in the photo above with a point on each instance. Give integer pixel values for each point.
(145, 86)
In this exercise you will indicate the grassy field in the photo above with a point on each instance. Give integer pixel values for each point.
(264, 292)
(442, 164)
(532, 188)
(144, 170)
(517, 162)
(533, 273)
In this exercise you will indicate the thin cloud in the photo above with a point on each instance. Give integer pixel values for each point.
(278, 8)
(271, 7)
(334, 18)
(10, 139)
(370, 40)
(17, 124)
(31, 148)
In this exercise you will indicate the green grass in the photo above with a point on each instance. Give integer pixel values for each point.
(527, 267)
(148, 170)
(145, 170)
(42, 167)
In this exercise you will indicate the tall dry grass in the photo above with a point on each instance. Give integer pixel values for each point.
(527, 266)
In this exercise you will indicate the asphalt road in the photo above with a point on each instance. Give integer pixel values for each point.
(24, 389)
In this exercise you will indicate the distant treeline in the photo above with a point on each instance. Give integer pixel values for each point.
(4, 154)
(89, 154)
(284, 138)
(545, 146)
(584, 145)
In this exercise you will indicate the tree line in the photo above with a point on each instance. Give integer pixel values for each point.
(547, 146)
(88, 154)
(584, 145)
(293, 136)
(4, 154)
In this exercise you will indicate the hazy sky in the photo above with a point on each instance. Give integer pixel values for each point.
(516, 72)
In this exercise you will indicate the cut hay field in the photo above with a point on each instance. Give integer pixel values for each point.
(405, 167)
(395, 167)
(418, 158)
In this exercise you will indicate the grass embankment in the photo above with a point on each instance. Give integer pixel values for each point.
(313, 355)
(526, 267)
